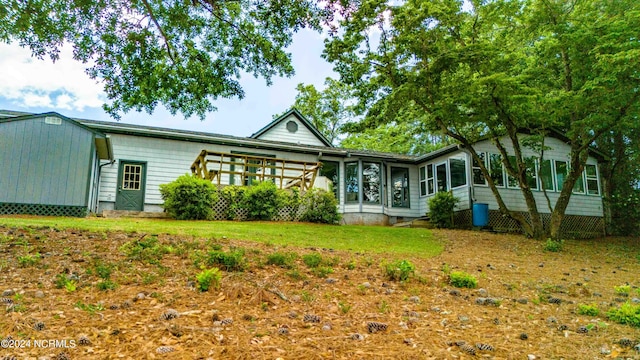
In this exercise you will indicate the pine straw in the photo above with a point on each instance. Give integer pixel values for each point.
(263, 299)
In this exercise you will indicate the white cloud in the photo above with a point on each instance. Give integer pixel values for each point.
(31, 82)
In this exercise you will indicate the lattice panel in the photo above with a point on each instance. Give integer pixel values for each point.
(573, 226)
(42, 210)
(463, 219)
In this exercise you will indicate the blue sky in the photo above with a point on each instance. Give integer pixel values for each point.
(33, 85)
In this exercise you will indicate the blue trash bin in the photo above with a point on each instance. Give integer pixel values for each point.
(480, 214)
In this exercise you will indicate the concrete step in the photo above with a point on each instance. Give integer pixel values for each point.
(134, 214)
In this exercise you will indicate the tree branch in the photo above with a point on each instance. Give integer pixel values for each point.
(164, 36)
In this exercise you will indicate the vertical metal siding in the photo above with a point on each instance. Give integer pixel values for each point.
(45, 164)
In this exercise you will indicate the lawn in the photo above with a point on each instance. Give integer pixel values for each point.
(375, 239)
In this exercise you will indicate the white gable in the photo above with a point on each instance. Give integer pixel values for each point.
(291, 130)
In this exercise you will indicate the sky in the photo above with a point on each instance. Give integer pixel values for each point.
(32, 85)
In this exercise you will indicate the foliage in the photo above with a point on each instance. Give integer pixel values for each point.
(461, 279)
(399, 270)
(473, 70)
(623, 290)
(234, 196)
(229, 261)
(552, 245)
(208, 278)
(262, 200)
(590, 310)
(322, 271)
(28, 260)
(62, 281)
(312, 260)
(90, 308)
(146, 249)
(181, 54)
(399, 137)
(101, 269)
(320, 206)
(105, 285)
(189, 198)
(283, 260)
(327, 110)
(441, 207)
(627, 313)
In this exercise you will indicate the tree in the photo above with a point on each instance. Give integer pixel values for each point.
(492, 68)
(183, 54)
(328, 109)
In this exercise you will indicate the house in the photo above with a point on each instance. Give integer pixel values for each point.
(54, 165)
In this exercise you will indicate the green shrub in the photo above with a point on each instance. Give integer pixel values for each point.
(105, 285)
(553, 245)
(441, 208)
(145, 249)
(229, 261)
(234, 196)
(63, 282)
(400, 270)
(312, 260)
(262, 200)
(628, 314)
(320, 206)
(322, 271)
(189, 198)
(461, 279)
(623, 290)
(284, 260)
(28, 260)
(590, 310)
(209, 278)
(101, 269)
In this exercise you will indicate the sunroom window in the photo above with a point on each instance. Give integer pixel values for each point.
(478, 176)
(591, 173)
(400, 187)
(352, 186)
(495, 169)
(371, 182)
(458, 172)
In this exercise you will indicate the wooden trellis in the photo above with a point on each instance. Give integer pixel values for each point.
(213, 166)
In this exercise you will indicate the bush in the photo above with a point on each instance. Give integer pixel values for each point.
(231, 261)
(234, 195)
(623, 290)
(441, 208)
(553, 245)
(284, 260)
(312, 260)
(145, 249)
(207, 278)
(590, 310)
(262, 201)
(461, 279)
(320, 206)
(626, 314)
(189, 198)
(400, 270)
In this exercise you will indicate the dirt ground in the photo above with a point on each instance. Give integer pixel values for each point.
(260, 313)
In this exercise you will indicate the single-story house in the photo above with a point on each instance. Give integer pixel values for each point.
(54, 165)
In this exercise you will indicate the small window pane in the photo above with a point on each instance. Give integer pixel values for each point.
(530, 173)
(478, 176)
(400, 187)
(329, 170)
(371, 182)
(495, 168)
(592, 180)
(351, 182)
(561, 173)
(441, 177)
(546, 176)
(458, 172)
(578, 187)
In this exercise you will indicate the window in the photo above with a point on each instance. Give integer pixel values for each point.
(423, 181)
(458, 172)
(512, 182)
(591, 173)
(352, 186)
(546, 175)
(561, 170)
(131, 177)
(441, 177)
(400, 187)
(495, 169)
(578, 187)
(531, 172)
(478, 176)
(430, 180)
(371, 182)
(329, 170)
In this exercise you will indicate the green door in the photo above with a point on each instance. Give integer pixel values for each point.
(131, 185)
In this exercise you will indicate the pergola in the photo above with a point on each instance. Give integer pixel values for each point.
(211, 165)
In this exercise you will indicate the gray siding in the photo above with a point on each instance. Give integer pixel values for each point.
(45, 163)
(579, 204)
(302, 136)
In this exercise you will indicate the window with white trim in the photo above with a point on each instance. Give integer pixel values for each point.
(495, 169)
(478, 176)
(546, 175)
(512, 182)
(423, 180)
(561, 171)
(458, 172)
(531, 172)
(431, 188)
(591, 174)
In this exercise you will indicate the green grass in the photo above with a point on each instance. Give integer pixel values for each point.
(378, 239)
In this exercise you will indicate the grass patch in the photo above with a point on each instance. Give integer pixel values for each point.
(589, 310)
(461, 279)
(283, 260)
(400, 270)
(377, 239)
(627, 313)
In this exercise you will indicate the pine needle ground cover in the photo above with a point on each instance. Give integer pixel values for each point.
(526, 300)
